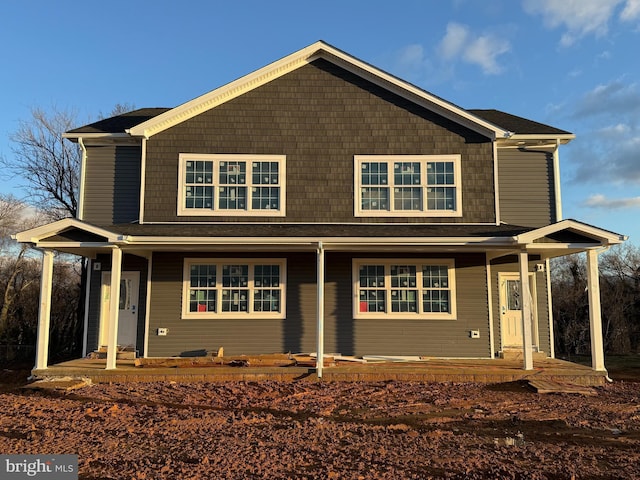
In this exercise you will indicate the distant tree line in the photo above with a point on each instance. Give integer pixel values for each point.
(620, 302)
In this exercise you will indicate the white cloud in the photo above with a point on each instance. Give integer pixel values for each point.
(602, 202)
(579, 17)
(484, 52)
(481, 50)
(454, 41)
(613, 99)
(631, 11)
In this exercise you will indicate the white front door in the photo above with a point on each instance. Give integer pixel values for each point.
(511, 310)
(128, 308)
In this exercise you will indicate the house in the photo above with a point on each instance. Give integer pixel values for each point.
(320, 204)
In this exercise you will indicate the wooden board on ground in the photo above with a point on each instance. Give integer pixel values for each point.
(64, 385)
(272, 360)
(549, 386)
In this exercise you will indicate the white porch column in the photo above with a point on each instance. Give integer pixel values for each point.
(320, 310)
(595, 314)
(44, 313)
(527, 349)
(114, 306)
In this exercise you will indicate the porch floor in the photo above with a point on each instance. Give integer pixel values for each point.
(430, 370)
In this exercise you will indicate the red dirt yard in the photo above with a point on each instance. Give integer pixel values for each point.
(308, 430)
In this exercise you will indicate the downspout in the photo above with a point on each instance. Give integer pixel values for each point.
(83, 166)
(320, 310)
(496, 188)
(490, 308)
(556, 181)
(143, 170)
(552, 341)
(87, 290)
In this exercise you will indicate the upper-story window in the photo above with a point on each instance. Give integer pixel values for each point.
(408, 185)
(231, 185)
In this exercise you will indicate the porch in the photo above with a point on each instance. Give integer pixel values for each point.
(429, 370)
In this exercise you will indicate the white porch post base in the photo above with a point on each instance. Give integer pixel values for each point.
(527, 350)
(44, 313)
(320, 311)
(114, 305)
(595, 313)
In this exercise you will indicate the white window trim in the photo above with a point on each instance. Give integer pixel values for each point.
(219, 262)
(418, 263)
(215, 211)
(358, 160)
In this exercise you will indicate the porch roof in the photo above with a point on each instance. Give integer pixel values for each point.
(81, 238)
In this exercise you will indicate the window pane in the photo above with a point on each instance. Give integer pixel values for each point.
(372, 276)
(374, 173)
(441, 198)
(440, 173)
(265, 198)
(407, 198)
(265, 173)
(202, 294)
(198, 197)
(266, 276)
(233, 173)
(234, 300)
(435, 276)
(406, 173)
(513, 295)
(404, 301)
(235, 275)
(233, 198)
(372, 301)
(266, 301)
(203, 276)
(436, 301)
(403, 276)
(199, 172)
(375, 198)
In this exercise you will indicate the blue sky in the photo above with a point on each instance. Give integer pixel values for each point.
(572, 64)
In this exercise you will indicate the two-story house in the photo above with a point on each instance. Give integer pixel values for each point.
(320, 204)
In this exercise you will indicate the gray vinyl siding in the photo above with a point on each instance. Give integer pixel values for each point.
(526, 187)
(437, 338)
(112, 184)
(296, 333)
(130, 263)
(510, 265)
(319, 116)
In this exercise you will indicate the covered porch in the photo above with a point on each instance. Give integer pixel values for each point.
(562, 238)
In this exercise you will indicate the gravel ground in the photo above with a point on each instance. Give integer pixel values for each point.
(304, 430)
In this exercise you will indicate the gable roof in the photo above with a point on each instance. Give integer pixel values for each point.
(118, 124)
(518, 125)
(146, 122)
(303, 57)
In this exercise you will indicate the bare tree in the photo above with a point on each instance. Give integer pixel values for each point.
(620, 301)
(48, 165)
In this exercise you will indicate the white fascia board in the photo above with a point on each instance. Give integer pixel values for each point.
(295, 60)
(604, 236)
(549, 140)
(34, 235)
(94, 136)
(313, 241)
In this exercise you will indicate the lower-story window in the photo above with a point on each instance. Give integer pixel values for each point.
(233, 288)
(400, 288)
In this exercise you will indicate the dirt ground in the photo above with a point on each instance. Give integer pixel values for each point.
(306, 430)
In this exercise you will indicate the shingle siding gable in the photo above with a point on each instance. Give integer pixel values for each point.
(319, 116)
